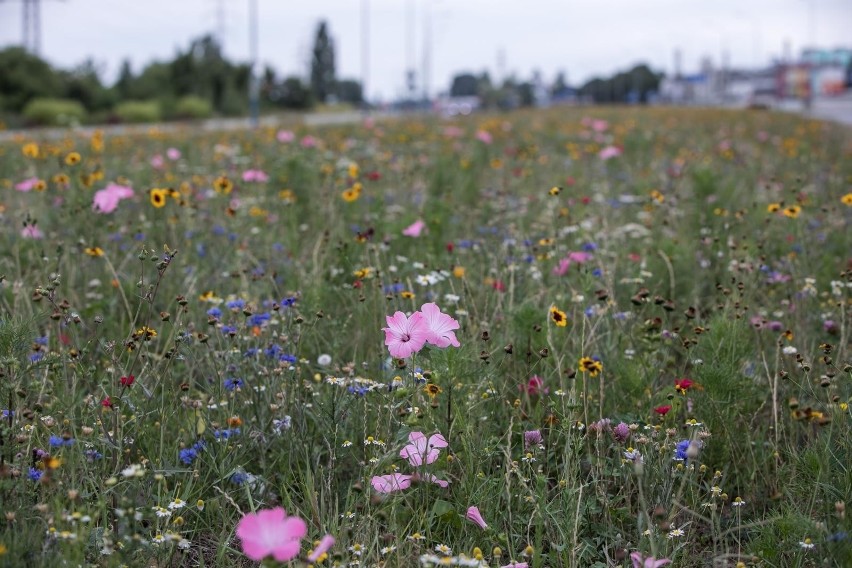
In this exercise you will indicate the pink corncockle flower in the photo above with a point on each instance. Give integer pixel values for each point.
(414, 229)
(453, 132)
(27, 185)
(577, 257)
(640, 562)
(157, 161)
(434, 479)
(285, 136)
(106, 200)
(609, 152)
(439, 326)
(309, 142)
(421, 449)
(474, 516)
(532, 438)
(599, 125)
(32, 232)
(258, 176)
(391, 483)
(271, 532)
(173, 154)
(405, 336)
(514, 564)
(484, 136)
(325, 544)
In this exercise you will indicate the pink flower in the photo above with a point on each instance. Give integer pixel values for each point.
(621, 432)
(516, 565)
(474, 516)
(27, 184)
(484, 136)
(391, 483)
(157, 161)
(326, 543)
(173, 154)
(650, 562)
(271, 532)
(414, 229)
(106, 200)
(609, 152)
(599, 125)
(434, 479)
(422, 450)
(405, 336)
(534, 386)
(309, 141)
(255, 175)
(285, 136)
(440, 326)
(573, 257)
(532, 438)
(32, 232)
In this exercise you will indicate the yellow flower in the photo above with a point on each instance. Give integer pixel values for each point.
(352, 194)
(94, 251)
(458, 271)
(353, 170)
(40, 185)
(589, 365)
(432, 390)
(406, 294)
(555, 190)
(61, 179)
(72, 159)
(847, 199)
(287, 196)
(657, 196)
(223, 185)
(30, 150)
(773, 208)
(558, 317)
(146, 332)
(792, 211)
(158, 197)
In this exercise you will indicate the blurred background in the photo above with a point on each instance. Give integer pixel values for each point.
(122, 61)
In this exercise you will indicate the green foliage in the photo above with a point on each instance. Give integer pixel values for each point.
(54, 112)
(323, 74)
(138, 111)
(24, 77)
(193, 107)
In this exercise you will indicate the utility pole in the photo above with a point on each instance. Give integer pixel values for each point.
(365, 48)
(220, 23)
(427, 49)
(254, 77)
(31, 35)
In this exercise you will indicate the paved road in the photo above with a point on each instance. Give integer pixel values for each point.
(838, 109)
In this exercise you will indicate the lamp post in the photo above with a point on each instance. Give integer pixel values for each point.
(254, 76)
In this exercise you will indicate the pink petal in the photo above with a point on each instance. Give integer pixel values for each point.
(414, 229)
(325, 544)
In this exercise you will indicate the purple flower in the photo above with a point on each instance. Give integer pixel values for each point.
(532, 438)
(621, 432)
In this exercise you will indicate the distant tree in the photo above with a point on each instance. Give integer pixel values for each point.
(349, 91)
(526, 94)
(83, 84)
(23, 77)
(464, 85)
(293, 93)
(560, 87)
(124, 81)
(322, 64)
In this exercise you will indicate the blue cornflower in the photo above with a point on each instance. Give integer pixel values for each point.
(4, 414)
(358, 390)
(597, 272)
(214, 312)
(288, 302)
(237, 304)
(226, 433)
(35, 474)
(92, 455)
(239, 477)
(272, 351)
(680, 450)
(37, 356)
(590, 246)
(259, 319)
(228, 329)
(393, 288)
(287, 357)
(41, 340)
(59, 441)
(232, 383)
(251, 352)
(199, 445)
(188, 455)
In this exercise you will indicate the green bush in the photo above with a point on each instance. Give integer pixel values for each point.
(139, 111)
(193, 108)
(53, 112)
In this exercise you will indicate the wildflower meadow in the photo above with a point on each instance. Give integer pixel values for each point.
(556, 338)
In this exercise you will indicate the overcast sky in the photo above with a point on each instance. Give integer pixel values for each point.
(582, 37)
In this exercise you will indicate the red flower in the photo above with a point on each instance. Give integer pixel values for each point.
(128, 380)
(682, 385)
(534, 386)
(450, 247)
(374, 176)
(499, 286)
(663, 410)
(106, 402)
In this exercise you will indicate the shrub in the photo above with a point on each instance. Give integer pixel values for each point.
(53, 112)
(193, 108)
(139, 111)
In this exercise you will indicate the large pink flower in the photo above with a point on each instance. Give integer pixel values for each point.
(421, 449)
(271, 532)
(391, 483)
(106, 200)
(440, 326)
(405, 336)
(650, 562)
(414, 229)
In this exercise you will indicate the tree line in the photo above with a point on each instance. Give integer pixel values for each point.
(197, 82)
